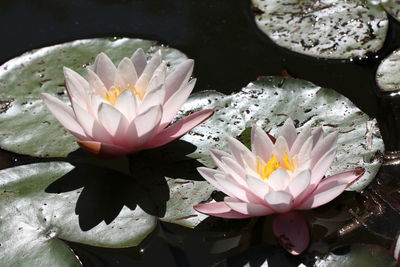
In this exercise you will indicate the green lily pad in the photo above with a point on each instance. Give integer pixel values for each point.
(269, 101)
(339, 29)
(184, 195)
(393, 8)
(387, 75)
(358, 255)
(26, 126)
(34, 223)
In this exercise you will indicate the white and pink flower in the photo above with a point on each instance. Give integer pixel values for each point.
(124, 109)
(277, 177)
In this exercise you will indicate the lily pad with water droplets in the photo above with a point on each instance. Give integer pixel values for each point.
(337, 29)
(393, 8)
(269, 101)
(26, 126)
(387, 75)
(34, 223)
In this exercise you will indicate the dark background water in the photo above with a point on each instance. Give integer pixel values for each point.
(229, 52)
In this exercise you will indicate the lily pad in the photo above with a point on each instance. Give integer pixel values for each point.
(393, 8)
(269, 101)
(358, 255)
(339, 29)
(26, 126)
(387, 75)
(184, 195)
(33, 223)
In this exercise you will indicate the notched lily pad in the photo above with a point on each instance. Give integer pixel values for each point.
(324, 28)
(387, 75)
(357, 255)
(26, 126)
(33, 223)
(269, 101)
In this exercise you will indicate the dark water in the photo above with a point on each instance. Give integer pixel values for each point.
(229, 52)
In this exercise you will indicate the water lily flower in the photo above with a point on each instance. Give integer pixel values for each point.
(277, 177)
(124, 109)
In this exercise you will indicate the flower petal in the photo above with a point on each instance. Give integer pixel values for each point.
(292, 231)
(105, 69)
(209, 174)
(77, 87)
(146, 125)
(238, 150)
(158, 78)
(144, 79)
(179, 128)
(280, 148)
(348, 177)
(111, 119)
(279, 201)
(96, 84)
(127, 104)
(178, 78)
(99, 148)
(322, 147)
(325, 192)
(139, 61)
(288, 131)
(175, 102)
(299, 183)
(322, 166)
(300, 140)
(64, 115)
(261, 144)
(219, 209)
(231, 167)
(153, 98)
(250, 209)
(257, 186)
(126, 70)
(279, 179)
(233, 189)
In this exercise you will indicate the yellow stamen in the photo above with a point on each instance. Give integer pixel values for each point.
(113, 93)
(265, 169)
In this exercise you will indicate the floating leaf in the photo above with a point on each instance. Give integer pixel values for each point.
(387, 75)
(324, 28)
(392, 7)
(26, 126)
(358, 255)
(184, 195)
(33, 223)
(269, 101)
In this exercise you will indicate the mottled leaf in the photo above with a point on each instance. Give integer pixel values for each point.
(335, 29)
(34, 223)
(387, 75)
(392, 7)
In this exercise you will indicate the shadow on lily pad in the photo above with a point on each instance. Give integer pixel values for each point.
(107, 189)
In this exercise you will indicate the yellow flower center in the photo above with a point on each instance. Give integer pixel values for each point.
(113, 93)
(265, 170)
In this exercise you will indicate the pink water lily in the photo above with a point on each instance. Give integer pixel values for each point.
(277, 178)
(124, 109)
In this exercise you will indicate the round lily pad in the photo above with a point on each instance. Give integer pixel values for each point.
(269, 101)
(34, 223)
(26, 126)
(387, 75)
(339, 29)
(393, 8)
